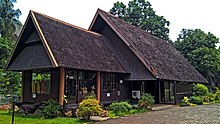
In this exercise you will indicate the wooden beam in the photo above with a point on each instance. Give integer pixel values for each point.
(22, 86)
(159, 91)
(98, 94)
(62, 82)
(175, 95)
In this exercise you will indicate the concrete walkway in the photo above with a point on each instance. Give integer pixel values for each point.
(204, 114)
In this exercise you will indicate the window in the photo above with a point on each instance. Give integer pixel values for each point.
(41, 83)
(87, 83)
(110, 82)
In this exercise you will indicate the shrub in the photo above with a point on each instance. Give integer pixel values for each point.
(196, 100)
(87, 108)
(92, 96)
(184, 102)
(217, 94)
(205, 98)
(200, 90)
(146, 101)
(51, 109)
(120, 107)
(212, 97)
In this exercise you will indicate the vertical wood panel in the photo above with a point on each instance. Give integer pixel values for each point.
(62, 82)
(175, 95)
(159, 91)
(98, 86)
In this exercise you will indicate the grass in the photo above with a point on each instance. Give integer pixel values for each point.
(5, 118)
(132, 111)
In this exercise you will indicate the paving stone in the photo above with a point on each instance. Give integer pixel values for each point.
(203, 114)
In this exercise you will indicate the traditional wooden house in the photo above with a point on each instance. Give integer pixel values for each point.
(112, 59)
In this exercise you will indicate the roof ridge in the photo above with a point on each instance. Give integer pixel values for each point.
(129, 24)
(65, 23)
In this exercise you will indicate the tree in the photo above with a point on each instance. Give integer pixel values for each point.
(9, 81)
(5, 50)
(199, 48)
(9, 23)
(141, 14)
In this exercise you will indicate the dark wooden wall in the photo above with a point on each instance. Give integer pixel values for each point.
(183, 89)
(124, 89)
(54, 91)
(126, 57)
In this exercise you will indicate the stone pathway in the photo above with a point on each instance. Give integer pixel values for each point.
(205, 114)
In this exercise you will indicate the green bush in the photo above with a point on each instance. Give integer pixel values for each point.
(120, 107)
(184, 102)
(200, 90)
(88, 107)
(51, 109)
(205, 98)
(196, 100)
(146, 101)
(217, 94)
(212, 97)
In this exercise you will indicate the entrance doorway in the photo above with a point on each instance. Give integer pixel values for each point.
(72, 87)
(167, 92)
(79, 84)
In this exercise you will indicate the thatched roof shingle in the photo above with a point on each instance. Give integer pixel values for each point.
(161, 58)
(73, 47)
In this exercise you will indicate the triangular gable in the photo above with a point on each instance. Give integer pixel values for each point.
(31, 33)
(131, 47)
(161, 59)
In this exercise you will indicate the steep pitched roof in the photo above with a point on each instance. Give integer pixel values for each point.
(162, 59)
(73, 47)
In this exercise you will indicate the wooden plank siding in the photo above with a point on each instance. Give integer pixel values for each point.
(27, 87)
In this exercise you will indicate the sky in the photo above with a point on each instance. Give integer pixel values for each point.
(189, 14)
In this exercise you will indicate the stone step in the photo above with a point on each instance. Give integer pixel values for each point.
(163, 107)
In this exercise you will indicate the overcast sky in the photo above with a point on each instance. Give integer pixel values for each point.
(190, 14)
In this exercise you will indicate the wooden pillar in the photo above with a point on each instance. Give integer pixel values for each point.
(62, 84)
(159, 91)
(175, 95)
(98, 94)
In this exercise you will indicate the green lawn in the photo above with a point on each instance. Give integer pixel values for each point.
(5, 118)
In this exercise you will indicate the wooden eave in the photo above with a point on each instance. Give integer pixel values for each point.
(130, 46)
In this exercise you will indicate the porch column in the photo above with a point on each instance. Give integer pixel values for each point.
(175, 95)
(62, 82)
(98, 86)
(159, 91)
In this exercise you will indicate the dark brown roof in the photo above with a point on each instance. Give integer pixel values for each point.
(161, 58)
(73, 47)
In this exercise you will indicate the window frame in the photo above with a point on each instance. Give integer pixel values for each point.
(111, 82)
(35, 85)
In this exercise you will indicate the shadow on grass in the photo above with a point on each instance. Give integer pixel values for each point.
(17, 114)
(31, 118)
